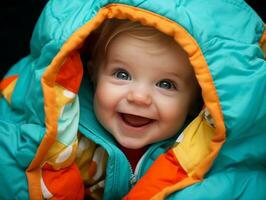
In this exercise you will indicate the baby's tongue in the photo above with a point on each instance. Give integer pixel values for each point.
(135, 121)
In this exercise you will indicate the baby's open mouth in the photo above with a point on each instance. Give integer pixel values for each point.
(135, 121)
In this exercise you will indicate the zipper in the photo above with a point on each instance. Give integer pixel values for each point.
(133, 179)
(139, 168)
(135, 176)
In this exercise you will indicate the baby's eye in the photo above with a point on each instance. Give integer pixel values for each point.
(166, 84)
(122, 74)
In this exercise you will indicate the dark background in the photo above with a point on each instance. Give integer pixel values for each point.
(18, 17)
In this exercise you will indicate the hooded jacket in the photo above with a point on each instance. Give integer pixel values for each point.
(46, 98)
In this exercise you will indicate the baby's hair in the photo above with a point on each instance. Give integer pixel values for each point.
(112, 28)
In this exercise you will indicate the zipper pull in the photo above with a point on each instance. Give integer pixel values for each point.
(132, 180)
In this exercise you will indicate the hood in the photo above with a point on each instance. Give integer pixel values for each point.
(223, 41)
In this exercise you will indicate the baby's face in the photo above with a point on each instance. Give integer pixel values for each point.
(144, 91)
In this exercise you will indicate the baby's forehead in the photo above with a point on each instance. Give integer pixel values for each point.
(156, 44)
(114, 28)
(135, 51)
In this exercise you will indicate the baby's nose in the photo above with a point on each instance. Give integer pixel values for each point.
(140, 97)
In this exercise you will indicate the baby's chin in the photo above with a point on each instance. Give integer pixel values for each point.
(132, 143)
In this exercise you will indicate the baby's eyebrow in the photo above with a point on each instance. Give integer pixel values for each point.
(177, 74)
(180, 75)
(117, 60)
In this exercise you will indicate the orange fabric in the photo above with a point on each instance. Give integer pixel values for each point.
(171, 189)
(33, 171)
(263, 38)
(70, 73)
(263, 42)
(165, 171)
(64, 184)
(34, 184)
(6, 81)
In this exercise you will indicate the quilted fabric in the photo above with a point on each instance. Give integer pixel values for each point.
(45, 98)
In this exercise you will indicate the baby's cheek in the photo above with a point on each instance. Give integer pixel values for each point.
(174, 116)
(99, 103)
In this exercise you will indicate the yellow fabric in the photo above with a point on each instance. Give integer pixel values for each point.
(195, 144)
(91, 160)
(7, 92)
(61, 98)
(60, 155)
(84, 156)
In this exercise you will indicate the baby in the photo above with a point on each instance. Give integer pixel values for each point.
(145, 89)
(144, 84)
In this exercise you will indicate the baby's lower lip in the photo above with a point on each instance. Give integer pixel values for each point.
(135, 121)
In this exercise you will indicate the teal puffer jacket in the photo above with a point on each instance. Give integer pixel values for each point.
(224, 40)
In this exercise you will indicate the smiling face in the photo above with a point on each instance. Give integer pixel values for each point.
(144, 90)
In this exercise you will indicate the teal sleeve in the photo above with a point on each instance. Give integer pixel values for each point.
(18, 144)
(234, 183)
